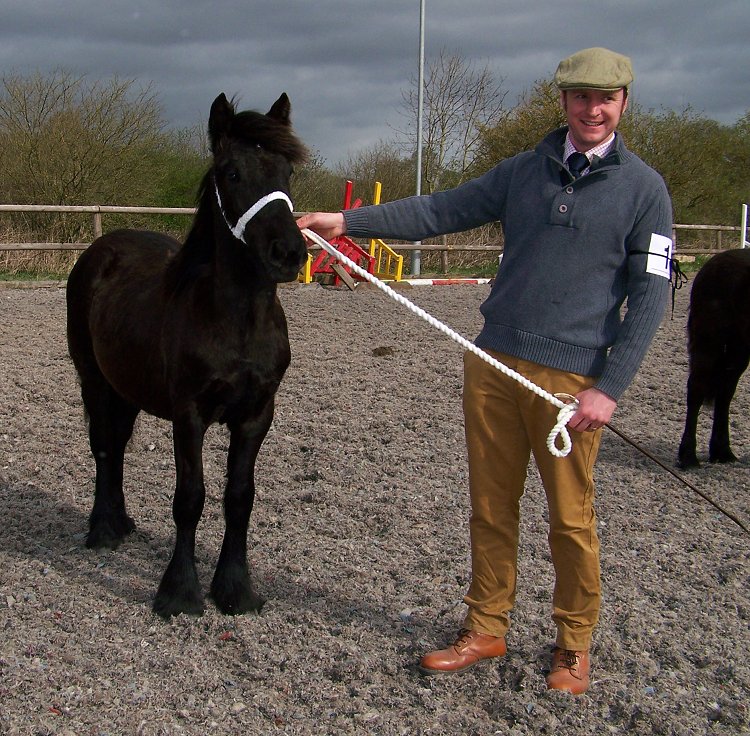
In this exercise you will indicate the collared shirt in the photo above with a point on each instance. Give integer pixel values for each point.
(599, 151)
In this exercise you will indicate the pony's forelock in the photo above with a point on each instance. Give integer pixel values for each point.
(270, 133)
(273, 135)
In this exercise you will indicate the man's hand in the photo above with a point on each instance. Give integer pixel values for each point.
(328, 225)
(595, 409)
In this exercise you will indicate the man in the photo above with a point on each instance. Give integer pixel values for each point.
(587, 225)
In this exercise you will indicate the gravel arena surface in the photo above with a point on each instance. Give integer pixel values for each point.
(359, 543)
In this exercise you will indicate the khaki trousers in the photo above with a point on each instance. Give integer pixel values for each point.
(505, 423)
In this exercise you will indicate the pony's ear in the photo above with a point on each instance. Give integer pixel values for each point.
(219, 120)
(281, 109)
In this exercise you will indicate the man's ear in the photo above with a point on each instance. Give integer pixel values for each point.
(563, 100)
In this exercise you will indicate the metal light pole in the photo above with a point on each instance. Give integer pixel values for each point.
(416, 258)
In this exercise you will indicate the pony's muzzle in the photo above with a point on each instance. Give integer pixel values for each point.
(287, 255)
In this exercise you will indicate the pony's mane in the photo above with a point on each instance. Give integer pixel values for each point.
(205, 192)
(272, 134)
(196, 251)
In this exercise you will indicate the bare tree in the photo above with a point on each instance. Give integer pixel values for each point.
(460, 99)
(536, 113)
(381, 162)
(314, 187)
(65, 141)
(700, 159)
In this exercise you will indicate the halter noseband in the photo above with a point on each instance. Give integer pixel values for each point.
(239, 229)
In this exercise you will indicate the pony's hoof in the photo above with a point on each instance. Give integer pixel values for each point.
(723, 457)
(179, 590)
(687, 458)
(252, 603)
(167, 607)
(107, 533)
(234, 600)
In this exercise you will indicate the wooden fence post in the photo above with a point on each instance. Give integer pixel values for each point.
(97, 224)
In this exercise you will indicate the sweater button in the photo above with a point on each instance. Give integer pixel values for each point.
(569, 190)
(563, 208)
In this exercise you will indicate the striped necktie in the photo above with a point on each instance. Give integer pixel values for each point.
(577, 162)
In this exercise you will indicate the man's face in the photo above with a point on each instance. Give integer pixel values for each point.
(592, 114)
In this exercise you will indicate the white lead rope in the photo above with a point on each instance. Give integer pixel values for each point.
(566, 409)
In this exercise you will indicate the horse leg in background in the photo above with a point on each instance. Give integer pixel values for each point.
(179, 590)
(111, 420)
(719, 450)
(232, 588)
(696, 395)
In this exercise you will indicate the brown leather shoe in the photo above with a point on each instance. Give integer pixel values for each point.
(470, 648)
(569, 672)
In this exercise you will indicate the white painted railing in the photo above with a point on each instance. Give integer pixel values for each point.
(98, 210)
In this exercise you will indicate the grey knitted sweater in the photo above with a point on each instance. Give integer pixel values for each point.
(575, 252)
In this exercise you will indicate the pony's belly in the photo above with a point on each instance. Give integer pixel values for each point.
(137, 378)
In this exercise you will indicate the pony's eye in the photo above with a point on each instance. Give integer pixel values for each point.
(233, 175)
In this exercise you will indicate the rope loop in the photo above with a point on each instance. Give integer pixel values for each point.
(561, 430)
(567, 408)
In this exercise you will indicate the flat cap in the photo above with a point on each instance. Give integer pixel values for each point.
(595, 68)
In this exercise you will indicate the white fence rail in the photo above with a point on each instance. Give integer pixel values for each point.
(97, 211)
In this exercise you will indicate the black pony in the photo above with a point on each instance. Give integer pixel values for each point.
(194, 334)
(719, 349)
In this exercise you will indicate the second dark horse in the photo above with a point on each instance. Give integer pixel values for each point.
(194, 334)
(718, 348)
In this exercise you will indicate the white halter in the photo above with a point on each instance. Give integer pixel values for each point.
(239, 229)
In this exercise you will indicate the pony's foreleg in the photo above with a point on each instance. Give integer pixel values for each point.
(232, 588)
(179, 590)
(111, 421)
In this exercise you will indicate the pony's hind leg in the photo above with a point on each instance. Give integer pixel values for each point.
(232, 589)
(111, 421)
(687, 456)
(719, 449)
(705, 358)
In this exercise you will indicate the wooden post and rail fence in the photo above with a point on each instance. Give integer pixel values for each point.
(720, 232)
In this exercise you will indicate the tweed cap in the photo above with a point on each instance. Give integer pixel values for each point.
(595, 68)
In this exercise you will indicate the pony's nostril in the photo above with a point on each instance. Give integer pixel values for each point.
(279, 252)
(285, 255)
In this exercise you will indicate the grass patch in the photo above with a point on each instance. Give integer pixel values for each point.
(17, 265)
(33, 275)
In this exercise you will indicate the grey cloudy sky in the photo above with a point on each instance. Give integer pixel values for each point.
(345, 64)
